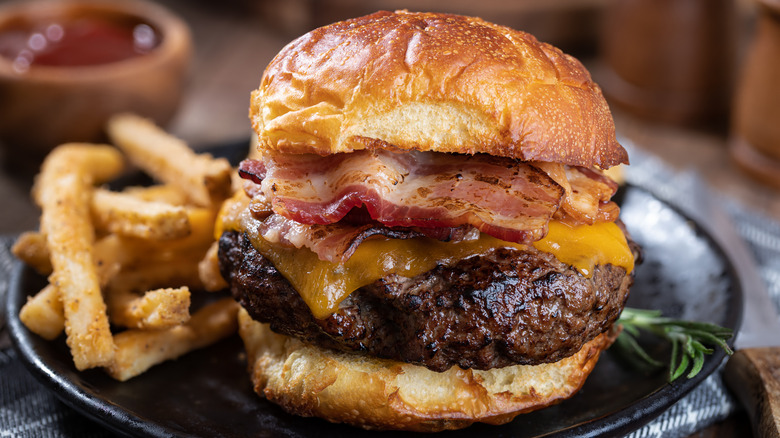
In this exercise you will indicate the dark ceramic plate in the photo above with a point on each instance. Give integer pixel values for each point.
(208, 393)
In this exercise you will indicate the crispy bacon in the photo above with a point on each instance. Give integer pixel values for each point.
(332, 204)
(337, 242)
(252, 170)
(588, 193)
(505, 198)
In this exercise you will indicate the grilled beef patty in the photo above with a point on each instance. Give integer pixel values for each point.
(502, 308)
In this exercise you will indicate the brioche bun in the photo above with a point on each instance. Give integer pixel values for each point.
(375, 393)
(428, 82)
(432, 82)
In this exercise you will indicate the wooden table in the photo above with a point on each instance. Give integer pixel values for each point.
(233, 45)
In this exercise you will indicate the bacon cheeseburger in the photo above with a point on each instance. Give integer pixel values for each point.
(427, 239)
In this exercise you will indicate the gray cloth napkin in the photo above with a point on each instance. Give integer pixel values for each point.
(27, 409)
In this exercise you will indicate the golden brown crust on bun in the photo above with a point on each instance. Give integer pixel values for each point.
(381, 394)
(430, 81)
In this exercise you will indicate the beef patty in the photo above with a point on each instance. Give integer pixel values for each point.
(505, 307)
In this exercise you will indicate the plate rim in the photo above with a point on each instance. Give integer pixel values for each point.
(119, 420)
(69, 392)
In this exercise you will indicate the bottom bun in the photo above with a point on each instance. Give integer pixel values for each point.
(382, 394)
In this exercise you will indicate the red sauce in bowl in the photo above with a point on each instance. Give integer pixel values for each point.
(75, 41)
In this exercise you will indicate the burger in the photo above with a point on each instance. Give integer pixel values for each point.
(426, 238)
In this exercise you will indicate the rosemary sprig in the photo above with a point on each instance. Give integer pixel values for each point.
(689, 339)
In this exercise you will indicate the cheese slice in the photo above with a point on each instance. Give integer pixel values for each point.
(323, 285)
(585, 246)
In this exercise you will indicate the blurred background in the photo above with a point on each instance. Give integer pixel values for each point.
(670, 69)
(692, 49)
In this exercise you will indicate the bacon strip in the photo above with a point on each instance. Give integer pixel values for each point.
(338, 202)
(505, 198)
(588, 193)
(336, 242)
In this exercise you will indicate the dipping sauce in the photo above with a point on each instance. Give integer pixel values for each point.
(75, 41)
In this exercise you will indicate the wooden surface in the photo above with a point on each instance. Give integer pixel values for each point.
(235, 40)
(754, 376)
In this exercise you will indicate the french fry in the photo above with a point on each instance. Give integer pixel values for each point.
(201, 232)
(138, 350)
(63, 191)
(138, 278)
(101, 162)
(208, 270)
(129, 257)
(31, 248)
(43, 314)
(205, 180)
(127, 215)
(154, 264)
(160, 193)
(109, 258)
(193, 247)
(155, 309)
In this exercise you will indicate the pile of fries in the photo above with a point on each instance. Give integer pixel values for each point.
(122, 264)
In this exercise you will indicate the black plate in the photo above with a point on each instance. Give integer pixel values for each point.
(208, 393)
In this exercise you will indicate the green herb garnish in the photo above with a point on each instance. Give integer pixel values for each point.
(689, 339)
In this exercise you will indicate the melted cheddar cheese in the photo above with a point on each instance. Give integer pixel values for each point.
(323, 285)
(585, 246)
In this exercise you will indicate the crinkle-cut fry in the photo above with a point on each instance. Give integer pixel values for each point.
(63, 191)
(31, 248)
(127, 215)
(43, 314)
(167, 193)
(205, 179)
(156, 309)
(139, 350)
(208, 270)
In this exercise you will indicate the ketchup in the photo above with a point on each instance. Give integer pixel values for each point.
(81, 41)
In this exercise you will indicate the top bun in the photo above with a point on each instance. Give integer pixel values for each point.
(432, 82)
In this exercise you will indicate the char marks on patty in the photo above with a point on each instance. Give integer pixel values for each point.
(502, 308)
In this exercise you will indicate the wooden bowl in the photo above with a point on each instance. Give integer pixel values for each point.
(755, 144)
(46, 105)
(669, 60)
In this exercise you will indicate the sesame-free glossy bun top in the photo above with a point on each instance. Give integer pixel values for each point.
(438, 82)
